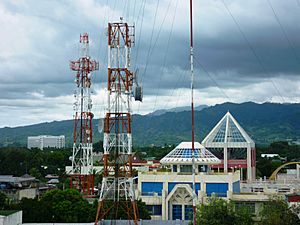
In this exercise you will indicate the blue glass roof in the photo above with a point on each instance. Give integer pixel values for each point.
(183, 154)
(220, 136)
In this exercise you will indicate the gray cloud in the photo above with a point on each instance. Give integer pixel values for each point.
(41, 37)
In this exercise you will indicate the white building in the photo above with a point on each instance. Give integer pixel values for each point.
(168, 195)
(230, 143)
(220, 160)
(46, 141)
(10, 217)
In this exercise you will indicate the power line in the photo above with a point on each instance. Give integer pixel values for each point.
(141, 10)
(252, 49)
(213, 80)
(151, 48)
(160, 28)
(140, 33)
(181, 75)
(166, 54)
(133, 13)
(284, 32)
(151, 37)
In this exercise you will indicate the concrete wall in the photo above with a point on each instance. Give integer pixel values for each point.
(13, 219)
(27, 193)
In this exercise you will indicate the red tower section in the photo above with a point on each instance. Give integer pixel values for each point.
(117, 191)
(81, 174)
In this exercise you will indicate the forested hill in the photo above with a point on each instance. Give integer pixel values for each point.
(264, 123)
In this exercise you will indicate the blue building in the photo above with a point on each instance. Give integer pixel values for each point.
(168, 195)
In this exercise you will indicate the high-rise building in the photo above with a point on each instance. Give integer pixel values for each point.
(46, 141)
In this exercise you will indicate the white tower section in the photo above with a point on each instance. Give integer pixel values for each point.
(117, 183)
(82, 157)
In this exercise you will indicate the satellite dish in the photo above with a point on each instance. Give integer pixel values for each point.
(100, 125)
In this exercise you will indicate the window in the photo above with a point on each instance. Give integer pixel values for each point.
(171, 185)
(186, 168)
(188, 212)
(202, 168)
(154, 210)
(177, 212)
(174, 168)
(220, 189)
(236, 187)
(149, 188)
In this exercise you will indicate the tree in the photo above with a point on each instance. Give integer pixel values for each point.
(143, 212)
(3, 201)
(35, 173)
(219, 211)
(32, 210)
(277, 212)
(243, 216)
(66, 206)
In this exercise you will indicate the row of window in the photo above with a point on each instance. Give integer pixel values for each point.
(156, 210)
(189, 168)
(220, 189)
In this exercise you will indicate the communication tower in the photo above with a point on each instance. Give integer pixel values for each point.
(81, 175)
(117, 190)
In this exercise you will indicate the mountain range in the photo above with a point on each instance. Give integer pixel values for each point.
(265, 123)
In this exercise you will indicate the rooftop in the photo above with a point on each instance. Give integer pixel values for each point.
(182, 154)
(7, 212)
(229, 131)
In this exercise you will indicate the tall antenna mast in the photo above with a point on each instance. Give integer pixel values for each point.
(81, 175)
(117, 190)
(192, 106)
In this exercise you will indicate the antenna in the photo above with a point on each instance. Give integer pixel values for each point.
(192, 106)
(81, 175)
(117, 189)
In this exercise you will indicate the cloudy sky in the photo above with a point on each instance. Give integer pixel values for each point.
(245, 50)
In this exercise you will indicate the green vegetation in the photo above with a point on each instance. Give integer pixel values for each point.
(265, 123)
(66, 206)
(219, 211)
(287, 152)
(277, 212)
(7, 212)
(153, 152)
(3, 201)
(18, 161)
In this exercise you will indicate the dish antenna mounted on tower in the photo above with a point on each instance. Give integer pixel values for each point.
(117, 189)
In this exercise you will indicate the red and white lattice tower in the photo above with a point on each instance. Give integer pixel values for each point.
(81, 175)
(117, 190)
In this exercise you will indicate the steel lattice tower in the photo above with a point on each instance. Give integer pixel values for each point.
(117, 190)
(81, 175)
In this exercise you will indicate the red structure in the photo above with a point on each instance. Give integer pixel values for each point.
(81, 175)
(117, 190)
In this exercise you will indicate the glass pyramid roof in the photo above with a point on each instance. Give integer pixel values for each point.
(227, 131)
(182, 154)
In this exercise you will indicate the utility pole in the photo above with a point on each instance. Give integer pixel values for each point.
(192, 109)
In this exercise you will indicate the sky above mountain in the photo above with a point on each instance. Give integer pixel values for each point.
(244, 51)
